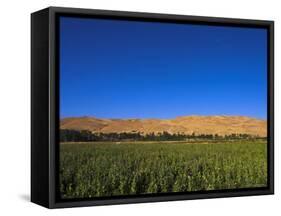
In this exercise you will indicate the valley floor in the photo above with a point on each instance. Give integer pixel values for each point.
(101, 169)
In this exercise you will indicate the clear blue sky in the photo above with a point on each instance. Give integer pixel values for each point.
(129, 69)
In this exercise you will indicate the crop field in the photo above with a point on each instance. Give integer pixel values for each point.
(100, 169)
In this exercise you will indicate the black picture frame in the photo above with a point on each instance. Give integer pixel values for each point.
(45, 105)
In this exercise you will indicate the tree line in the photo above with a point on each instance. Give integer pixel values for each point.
(87, 136)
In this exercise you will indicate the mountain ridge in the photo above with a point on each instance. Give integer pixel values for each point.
(197, 124)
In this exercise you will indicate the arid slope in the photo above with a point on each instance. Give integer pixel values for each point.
(221, 125)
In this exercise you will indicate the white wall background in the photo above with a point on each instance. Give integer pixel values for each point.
(15, 106)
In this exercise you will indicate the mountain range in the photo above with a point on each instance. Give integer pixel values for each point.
(220, 124)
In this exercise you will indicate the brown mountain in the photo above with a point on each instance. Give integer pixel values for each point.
(221, 125)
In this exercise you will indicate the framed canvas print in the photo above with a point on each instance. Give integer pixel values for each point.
(139, 107)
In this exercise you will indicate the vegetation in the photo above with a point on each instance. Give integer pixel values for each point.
(101, 169)
(88, 136)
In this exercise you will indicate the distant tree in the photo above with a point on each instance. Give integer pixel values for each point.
(87, 136)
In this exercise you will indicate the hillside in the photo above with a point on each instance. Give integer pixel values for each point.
(221, 125)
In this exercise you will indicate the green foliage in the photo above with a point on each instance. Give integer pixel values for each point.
(67, 135)
(112, 169)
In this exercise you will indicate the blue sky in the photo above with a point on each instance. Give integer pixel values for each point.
(129, 69)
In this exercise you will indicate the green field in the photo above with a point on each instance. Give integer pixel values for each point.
(109, 169)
